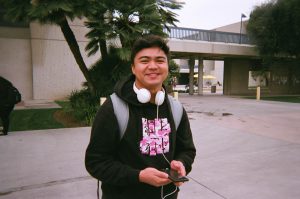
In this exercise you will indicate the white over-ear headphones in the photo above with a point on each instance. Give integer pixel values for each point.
(144, 96)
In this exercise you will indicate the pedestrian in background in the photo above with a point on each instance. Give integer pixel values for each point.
(9, 96)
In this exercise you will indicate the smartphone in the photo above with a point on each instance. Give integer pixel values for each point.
(173, 175)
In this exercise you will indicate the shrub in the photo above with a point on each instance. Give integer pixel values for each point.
(106, 72)
(84, 105)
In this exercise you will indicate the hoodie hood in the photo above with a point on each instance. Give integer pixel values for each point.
(124, 89)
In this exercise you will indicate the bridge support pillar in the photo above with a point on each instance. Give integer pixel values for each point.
(191, 63)
(200, 76)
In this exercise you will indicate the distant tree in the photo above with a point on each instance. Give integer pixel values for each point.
(275, 28)
(174, 73)
(52, 12)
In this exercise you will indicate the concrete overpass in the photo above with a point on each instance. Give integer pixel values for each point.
(209, 45)
(191, 44)
(240, 60)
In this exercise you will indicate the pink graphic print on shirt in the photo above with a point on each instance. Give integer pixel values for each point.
(155, 136)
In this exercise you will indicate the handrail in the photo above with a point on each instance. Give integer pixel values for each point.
(206, 35)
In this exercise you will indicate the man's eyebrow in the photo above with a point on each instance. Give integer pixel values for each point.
(149, 57)
(144, 57)
(161, 57)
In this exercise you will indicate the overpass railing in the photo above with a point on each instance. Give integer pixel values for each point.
(207, 35)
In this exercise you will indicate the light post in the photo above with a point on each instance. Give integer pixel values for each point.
(242, 16)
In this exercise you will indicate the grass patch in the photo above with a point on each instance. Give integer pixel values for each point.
(290, 98)
(38, 119)
(34, 119)
(68, 116)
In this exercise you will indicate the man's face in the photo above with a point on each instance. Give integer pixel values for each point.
(150, 67)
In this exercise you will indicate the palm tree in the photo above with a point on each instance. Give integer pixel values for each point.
(53, 12)
(126, 20)
(122, 21)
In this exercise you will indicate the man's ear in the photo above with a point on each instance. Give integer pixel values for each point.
(132, 69)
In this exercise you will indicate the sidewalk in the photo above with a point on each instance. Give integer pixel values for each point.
(246, 149)
(36, 104)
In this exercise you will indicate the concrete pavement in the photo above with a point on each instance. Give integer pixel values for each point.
(36, 104)
(245, 149)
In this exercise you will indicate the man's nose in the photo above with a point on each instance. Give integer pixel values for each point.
(152, 64)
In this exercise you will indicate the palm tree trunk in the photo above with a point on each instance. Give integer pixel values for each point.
(71, 40)
(103, 48)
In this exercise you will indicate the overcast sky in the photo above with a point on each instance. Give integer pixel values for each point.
(209, 14)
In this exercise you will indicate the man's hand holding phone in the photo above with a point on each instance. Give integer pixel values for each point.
(153, 177)
(173, 175)
(177, 173)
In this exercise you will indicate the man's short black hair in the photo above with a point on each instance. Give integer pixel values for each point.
(149, 41)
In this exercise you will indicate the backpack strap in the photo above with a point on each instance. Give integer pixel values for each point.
(121, 112)
(177, 110)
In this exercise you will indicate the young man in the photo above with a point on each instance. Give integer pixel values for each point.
(132, 166)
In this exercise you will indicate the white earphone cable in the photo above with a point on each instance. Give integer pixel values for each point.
(162, 187)
(162, 192)
(166, 158)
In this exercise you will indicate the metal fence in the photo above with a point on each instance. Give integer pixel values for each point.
(207, 35)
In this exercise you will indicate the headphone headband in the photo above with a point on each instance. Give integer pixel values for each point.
(144, 95)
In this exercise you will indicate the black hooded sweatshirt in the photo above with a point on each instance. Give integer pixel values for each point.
(117, 162)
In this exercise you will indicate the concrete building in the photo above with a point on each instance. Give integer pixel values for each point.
(37, 60)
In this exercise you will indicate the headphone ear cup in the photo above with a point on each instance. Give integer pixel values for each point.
(143, 95)
(159, 98)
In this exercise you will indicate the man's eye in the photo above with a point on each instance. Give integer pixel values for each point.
(160, 61)
(144, 61)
